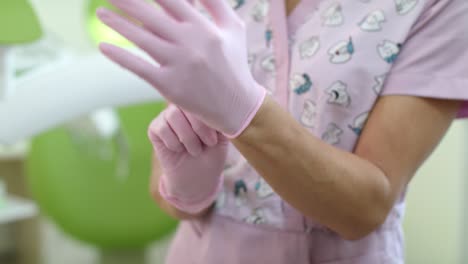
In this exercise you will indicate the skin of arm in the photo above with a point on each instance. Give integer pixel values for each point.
(290, 5)
(350, 193)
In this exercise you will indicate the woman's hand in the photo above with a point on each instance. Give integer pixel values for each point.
(203, 64)
(192, 158)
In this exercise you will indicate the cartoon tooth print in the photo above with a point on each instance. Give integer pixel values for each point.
(379, 83)
(309, 114)
(268, 63)
(403, 7)
(301, 83)
(263, 189)
(338, 94)
(236, 4)
(257, 217)
(332, 135)
(260, 10)
(240, 192)
(342, 52)
(359, 123)
(268, 37)
(373, 21)
(389, 51)
(333, 16)
(221, 200)
(309, 47)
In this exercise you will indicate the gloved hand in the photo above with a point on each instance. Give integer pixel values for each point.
(192, 158)
(203, 63)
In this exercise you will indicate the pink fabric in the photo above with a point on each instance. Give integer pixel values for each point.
(433, 61)
(281, 53)
(327, 64)
(218, 239)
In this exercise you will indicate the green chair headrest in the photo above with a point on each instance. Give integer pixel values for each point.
(18, 22)
(82, 194)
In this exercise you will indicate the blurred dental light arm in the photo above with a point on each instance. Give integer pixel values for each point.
(18, 25)
(65, 91)
(4, 74)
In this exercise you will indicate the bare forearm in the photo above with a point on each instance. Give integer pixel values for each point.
(339, 189)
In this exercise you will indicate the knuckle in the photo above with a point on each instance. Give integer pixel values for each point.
(196, 59)
(154, 127)
(188, 139)
(214, 39)
(171, 113)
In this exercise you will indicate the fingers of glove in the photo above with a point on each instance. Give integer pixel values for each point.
(160, 131)
(220, 11)
(150, 43)
(206, 134)
(182, 10)
(157, 21)
(181, 126)
(133, 63)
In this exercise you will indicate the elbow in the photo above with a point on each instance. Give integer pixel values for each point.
(367, 217)
(365, 224)
(361, 231)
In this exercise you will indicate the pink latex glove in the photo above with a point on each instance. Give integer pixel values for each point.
(203, 63)
(192, 157)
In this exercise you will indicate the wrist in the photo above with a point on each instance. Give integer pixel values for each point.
(259, 120)
(192, 204)
(251, 108)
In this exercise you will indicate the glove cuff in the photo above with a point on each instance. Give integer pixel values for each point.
(190, 205)
(251, 113)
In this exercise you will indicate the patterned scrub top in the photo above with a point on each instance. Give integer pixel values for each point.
(327, 64)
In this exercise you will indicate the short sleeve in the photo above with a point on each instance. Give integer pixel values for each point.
(434, 59)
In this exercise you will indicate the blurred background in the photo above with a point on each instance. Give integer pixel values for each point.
(77, 191)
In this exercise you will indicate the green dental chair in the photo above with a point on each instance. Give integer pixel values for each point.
(86, 198)
(19, 23)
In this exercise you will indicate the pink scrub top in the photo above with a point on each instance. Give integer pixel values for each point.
(327, 64)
